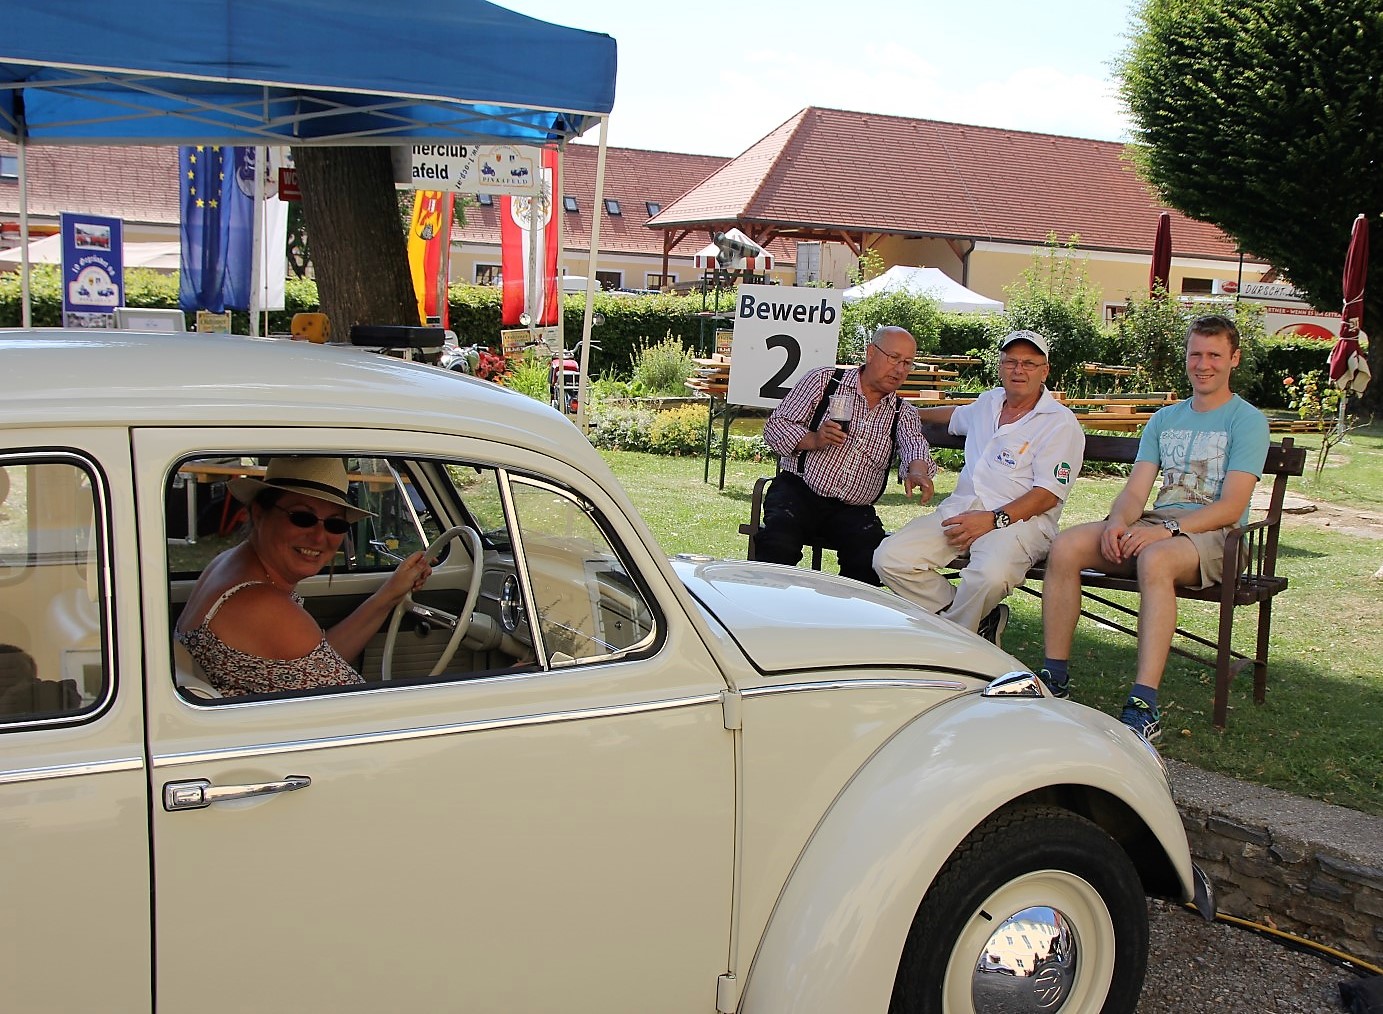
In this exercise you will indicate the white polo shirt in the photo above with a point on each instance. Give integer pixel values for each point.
(1045, 448)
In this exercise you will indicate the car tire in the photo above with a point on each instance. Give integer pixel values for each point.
(1035, 861)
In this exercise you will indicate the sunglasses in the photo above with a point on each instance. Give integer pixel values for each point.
(306, 519)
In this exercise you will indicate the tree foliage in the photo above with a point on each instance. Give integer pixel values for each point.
(1265, 118)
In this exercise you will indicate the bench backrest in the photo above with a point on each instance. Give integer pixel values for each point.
(1284, 459)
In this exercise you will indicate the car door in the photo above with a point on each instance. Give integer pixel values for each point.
(553, 835)
(74, 880)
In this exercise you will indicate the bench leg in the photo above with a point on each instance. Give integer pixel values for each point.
(1224, 664)
(1260, 657)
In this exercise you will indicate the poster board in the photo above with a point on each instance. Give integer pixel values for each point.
(781, 332)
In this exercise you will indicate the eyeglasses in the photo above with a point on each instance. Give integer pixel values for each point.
(306, 519)
(1026, 365)
(892, 357)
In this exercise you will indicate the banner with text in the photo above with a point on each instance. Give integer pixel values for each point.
(528, 254)
(477, 168)
(93, 276)
(781, 332)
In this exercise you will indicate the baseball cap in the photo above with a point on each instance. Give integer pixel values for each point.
(1031, 337)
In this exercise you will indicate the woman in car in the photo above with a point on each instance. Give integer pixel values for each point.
(245, 624)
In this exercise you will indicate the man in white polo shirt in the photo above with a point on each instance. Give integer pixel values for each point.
(1023, 450)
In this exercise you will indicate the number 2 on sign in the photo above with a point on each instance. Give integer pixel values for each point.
(773, 386)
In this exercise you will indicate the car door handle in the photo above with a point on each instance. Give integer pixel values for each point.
(199, 793)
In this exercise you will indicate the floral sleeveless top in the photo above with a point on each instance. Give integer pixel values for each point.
(233, 672)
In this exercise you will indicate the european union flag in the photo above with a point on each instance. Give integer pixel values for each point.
(217, 184)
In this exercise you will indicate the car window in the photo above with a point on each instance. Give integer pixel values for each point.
(585, 597)
(543, 552)
(54, 663)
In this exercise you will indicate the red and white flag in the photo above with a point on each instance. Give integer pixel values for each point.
(526, 228)
(429, 229)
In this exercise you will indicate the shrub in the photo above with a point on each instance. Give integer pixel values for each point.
(919, 315)
(678, 431)
(662, 369)
(620, 427)
(1055, 298)
(528, 374)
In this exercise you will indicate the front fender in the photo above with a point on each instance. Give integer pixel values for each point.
(837, 931)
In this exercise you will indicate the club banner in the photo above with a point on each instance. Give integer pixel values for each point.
(429, 229)
(217, 217)
(526, 225)
(93, 272)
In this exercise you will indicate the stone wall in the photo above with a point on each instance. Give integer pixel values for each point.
(1300, 866)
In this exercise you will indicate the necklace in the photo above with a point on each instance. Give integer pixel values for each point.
(263, 569)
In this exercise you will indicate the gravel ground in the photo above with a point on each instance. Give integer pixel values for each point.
(1219, 968)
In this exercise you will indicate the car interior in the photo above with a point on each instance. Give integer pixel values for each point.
(526, 577)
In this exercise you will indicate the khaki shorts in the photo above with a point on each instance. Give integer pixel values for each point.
(1210, 546)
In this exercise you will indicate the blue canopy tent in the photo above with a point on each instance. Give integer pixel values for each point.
(265, 72)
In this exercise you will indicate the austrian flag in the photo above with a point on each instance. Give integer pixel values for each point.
(526, 226)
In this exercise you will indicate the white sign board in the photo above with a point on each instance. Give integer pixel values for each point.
(781, 332)
(477, 168)
(1285, 310)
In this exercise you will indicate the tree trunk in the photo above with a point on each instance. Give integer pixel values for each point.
(359, 249)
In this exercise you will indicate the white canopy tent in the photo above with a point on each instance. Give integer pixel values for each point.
(931, 282)
(160, 256)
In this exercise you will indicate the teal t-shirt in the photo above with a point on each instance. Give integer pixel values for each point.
(1195, 450)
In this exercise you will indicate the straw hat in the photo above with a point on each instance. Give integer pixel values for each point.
(320, 478)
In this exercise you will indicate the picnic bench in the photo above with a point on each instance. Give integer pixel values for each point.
(1254, 581)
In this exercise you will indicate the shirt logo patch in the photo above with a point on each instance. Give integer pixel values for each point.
(1062, 472)
(1005, 458)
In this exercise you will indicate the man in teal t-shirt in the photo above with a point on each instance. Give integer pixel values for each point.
(1209, 451)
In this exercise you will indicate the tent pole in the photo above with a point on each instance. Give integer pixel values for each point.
(25, 313)
(583, 379)
(557, 178)
(257, 241)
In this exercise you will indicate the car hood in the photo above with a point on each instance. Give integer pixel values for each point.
(788, 619)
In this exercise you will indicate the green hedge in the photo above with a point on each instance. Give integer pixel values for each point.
(633, 321)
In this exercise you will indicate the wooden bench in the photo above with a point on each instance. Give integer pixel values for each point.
(1255, 581)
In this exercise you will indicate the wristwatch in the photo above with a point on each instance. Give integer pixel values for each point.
(1172, 525)
(1001, 519)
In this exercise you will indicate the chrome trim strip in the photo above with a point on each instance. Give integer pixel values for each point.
(71, 770)
(856, 684)
(361, 739)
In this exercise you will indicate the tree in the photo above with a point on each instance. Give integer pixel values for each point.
(1265, 118)
(359, 251)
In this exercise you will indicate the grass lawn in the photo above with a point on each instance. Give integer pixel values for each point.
(1318, 734)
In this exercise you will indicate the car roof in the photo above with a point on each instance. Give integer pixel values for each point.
(78, 377)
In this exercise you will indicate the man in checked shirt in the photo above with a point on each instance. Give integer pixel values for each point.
(831, 474)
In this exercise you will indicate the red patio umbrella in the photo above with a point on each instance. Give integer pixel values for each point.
(1349, 371)
(1159, 278)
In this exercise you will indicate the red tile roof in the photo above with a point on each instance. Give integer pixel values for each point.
(862, 172)
(136, 184)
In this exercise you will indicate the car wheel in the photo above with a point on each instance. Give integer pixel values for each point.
(1038, 910)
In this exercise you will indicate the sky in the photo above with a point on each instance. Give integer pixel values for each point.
(711, 77)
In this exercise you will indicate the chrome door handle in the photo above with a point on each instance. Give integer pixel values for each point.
(199, 793)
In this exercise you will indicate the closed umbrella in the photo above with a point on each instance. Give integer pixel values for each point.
(1159, 278)
(1349, 370)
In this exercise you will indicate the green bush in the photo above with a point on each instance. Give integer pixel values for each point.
(662, 368)
(620, 427)
(528, 374)
(919, 315)
(1055, 298)
(681, 430)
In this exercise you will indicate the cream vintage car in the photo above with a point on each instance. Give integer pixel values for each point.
(580, 776)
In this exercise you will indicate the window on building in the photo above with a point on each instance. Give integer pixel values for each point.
(653, 207)
(9, 167)
(612, 206)
(569, 203)
(653, 280)
(484, 200)
(487, 274)
(1196, 286)
(610, 279)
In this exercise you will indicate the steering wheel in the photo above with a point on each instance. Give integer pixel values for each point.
(460, 622)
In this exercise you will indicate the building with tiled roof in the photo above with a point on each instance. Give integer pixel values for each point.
(818, 190)
(973, 201)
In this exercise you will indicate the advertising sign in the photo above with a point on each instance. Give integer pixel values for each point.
(781, 332)
(93, 276)
(1285, 310)
(477, 169)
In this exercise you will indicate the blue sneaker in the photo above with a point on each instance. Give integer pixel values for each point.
(1142, 719)
(1060, 690)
